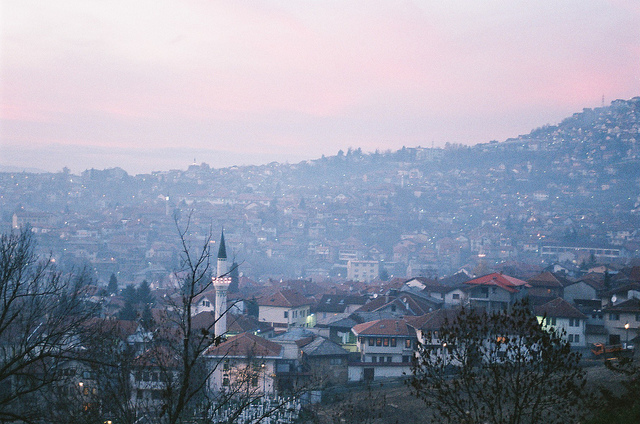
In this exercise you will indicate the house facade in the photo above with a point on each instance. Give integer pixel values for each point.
(244, 363)
(386, 348)
(561, 315)
(494, 292)
(285, 309)
(622, 321)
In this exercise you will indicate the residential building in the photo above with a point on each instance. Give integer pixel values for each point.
(245, 362)
(364, 271)
(386, 348)
(284, 309)
(494, 292)
(622, 321)
(562, 316)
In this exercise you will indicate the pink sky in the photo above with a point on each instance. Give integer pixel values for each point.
(152, 84)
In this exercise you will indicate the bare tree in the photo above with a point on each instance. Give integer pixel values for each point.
(41, 316)
(176, 352)
(503, 367)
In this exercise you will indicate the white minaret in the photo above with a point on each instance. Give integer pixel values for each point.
(221, 283)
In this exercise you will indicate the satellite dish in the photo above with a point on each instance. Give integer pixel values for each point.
(613, 299)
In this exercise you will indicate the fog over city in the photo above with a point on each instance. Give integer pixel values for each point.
(289, 212)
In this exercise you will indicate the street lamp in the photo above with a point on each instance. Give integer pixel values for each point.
(444, 355)
(626, 327)
(264, 380)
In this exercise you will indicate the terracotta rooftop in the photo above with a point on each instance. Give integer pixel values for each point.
(284, 299)
(384, 327)
(504, 281)
(433, 320)
(631, 305)
(559, 308)
(545, 279)
(246, 344)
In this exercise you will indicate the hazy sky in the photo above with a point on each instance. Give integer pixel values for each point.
(153, 85)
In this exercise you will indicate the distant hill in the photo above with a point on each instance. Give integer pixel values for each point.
(424, 211)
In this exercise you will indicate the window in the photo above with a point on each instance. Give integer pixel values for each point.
(456, 296)
(374, 359)
(206, 303)
(225, 366)
(407, 343)
(225, 381)
(637, 317)
(379, 341)
(385, 342)
(551, 321)
(335, 361)
(389, 358)
(286, 314)
(614, 317)
(393, 342)
(406, 359)
(372, 341)
(570, 338)
(576, 338)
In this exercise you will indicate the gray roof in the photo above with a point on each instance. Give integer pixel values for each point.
(343, 323)
(293, 334)
(323, 347)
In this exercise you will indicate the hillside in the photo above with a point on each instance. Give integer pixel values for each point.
(416, 210)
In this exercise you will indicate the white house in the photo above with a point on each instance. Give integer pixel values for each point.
(386, 348)
(284, 309)
(561, 315)
(245, 363)
(622, 321)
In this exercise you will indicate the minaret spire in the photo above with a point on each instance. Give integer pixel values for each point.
(221, 284)
(223, 268)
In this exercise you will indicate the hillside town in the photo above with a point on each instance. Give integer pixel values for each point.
(566, 193)
(332, 272)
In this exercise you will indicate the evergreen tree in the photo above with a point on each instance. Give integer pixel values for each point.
(384, 274)
(112, 287)
(128, 312)
(147, 320)
(143, 294)
(130, 294)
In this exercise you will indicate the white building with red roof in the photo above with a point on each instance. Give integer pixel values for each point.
(494, 292)
(244, 363)
(285, 309)
(386, 348)
(561, 315)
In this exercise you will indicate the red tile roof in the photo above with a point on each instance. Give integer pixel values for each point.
(384, 327)
(433, 320)
(246, 344)
(546, 279)
(559, 308)
(284, 299)
(506, 282)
